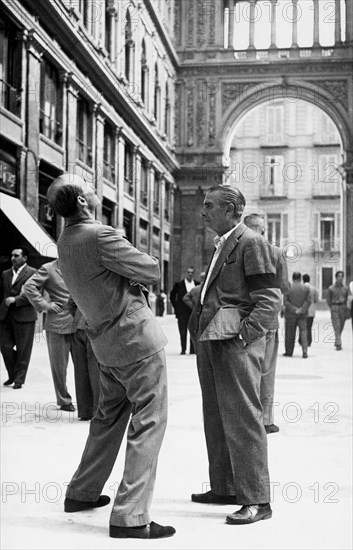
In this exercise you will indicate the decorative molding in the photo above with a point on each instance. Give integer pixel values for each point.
(178, 113)
(338, 89)
(190, 23)
(233, 91)
(177, 22)
(190, 115)
(201, 22)
(212, 119)
(201, 113)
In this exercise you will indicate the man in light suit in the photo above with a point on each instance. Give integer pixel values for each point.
(239, 301)
(105, 275)
(296, 306)
(17, 319)
(256, 222)
(65, 334)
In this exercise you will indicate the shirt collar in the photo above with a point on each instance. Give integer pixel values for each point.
(19, 269)
(219, 241)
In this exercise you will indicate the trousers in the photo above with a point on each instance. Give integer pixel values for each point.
(139, 391)
(290, 328)
(267, 388)
(183, 331)
(230, 377)
(20, 335)
(87, 374)
(338, 318)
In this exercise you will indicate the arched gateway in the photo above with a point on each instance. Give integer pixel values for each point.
(218, 85)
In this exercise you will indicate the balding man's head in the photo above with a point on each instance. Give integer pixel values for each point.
(69, 194)
(256, 222)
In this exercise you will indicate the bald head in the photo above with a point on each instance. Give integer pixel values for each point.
(256, 223)
(69, 195)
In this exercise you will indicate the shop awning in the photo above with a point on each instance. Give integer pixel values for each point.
(30, 229)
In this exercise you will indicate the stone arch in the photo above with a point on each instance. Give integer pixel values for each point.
(261, 93)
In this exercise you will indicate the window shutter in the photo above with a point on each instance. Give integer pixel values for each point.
(278, 176)
(315, 230)
(284, 226)
(337, 226)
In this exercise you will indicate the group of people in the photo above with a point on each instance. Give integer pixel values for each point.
(26, 292)
(234, 331)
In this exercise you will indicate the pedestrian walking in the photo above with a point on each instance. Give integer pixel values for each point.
(105, 276)
(238, 303)
(256, 222)
(337, 296)
(314, 296)
(65, 335)
(17, 319)
(296, 305)
(182, 310)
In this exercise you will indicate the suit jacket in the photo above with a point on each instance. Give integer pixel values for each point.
(242, 295)
(182, 310)
(282, 278)
(297, 301)
(192, 296)
(49, 278)
(22, 311)
(97, 264)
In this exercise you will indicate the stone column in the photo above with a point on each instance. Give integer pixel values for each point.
(273, 24)
(216, 23)
(137, 195)
(349, 21)
(99, 123)
(295, 24)
(151, 206)
(111, 13)
(231, 24)
(338, 40)
(120, 176)
(71, 123)
(34, 57)
(316, 43)
(252, 25)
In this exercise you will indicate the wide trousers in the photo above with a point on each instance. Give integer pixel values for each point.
(138, 390)
(338, 318)
(14, 334)
(230, 378)
(290, 329)
(183, 331)
(267, 389)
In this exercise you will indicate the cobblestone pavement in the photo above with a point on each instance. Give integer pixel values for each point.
(310, 459)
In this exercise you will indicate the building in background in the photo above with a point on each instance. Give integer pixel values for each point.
(87, 86)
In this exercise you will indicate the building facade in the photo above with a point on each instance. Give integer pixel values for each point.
(87, 86)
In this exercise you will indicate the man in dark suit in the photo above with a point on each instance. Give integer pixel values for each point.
(238, 303)
(296, 306)
(105, 276)
(17, 319)
(181, 309)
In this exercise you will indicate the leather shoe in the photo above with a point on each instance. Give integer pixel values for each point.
(17, 386)
(305, 355)
(68, 408)
(212, 498)
(72, 505)
(150, 531)
(287, 355)
(250, 514)
(271, 428)
(8, 382)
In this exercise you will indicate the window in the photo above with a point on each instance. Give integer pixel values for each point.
(10, 68)
(326, 280)
(273, 172)
(274, 229)
(109, 153)
(84, 132)
(128, 47)
(327, 130)
(274, 124)
(46, 215)
(8, 166)
(167, 111)
(329, 178)
(144, 235)
(129, 170)
(167, 202)
(156, 194)
(144, 74)
(144, 183)
(156, 93)
(109, 21)
(107, 212)
(128, 223)
(327, 231)
(49, 121)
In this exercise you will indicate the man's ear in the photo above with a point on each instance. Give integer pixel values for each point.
(230, 209)
(81, 200)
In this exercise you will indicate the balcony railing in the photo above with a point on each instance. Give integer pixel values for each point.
(50, 127)
(326, 189)
(273, 191)
(10, 97)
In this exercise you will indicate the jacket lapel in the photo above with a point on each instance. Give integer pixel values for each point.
(227, 249)
(21, 276)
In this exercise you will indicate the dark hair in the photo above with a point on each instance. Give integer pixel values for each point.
(230, 195)
(25, 251)
(339, 273)
(306, 278)
(296, 276)
(64, 202)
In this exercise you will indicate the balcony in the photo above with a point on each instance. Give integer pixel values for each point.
(329, 190)
(275, 192)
